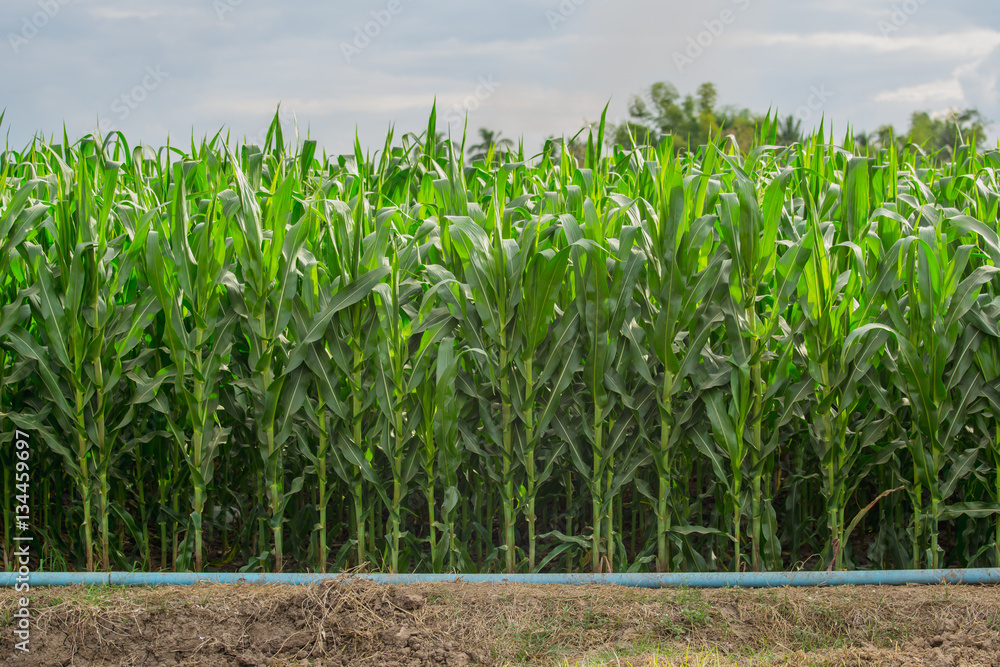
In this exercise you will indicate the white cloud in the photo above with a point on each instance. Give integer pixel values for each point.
(358, 103)
(112, 14)
(233, 73)
(854, 8)
(979, 82)
(965, 44)
(503, 48)
(922, 94)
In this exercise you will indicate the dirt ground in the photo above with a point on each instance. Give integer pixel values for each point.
(457, 625)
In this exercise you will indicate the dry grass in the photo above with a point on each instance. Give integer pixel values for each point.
(462, 624)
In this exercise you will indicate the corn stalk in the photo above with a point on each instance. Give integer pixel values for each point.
(187, 282)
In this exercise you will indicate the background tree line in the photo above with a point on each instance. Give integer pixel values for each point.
(692, 120)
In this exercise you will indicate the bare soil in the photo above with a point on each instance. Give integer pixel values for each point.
(458, 625)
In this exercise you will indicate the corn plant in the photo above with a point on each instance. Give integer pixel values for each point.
(326, 408)
(836, 296)
(664, 358)
(933, 365)
(988, 422)
(495, 273)
(679, 281)
(91, 333)
(17, 223)
(749, 230)
(267, 246)
(187, 268)
(539, 338)
(352, 263)
(392, 382)
(604, 283)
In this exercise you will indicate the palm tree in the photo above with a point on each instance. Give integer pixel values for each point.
(789, 131)
(489, 139)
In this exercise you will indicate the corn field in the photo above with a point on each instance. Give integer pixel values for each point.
(265, 358)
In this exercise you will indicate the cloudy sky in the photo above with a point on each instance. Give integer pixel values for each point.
(528, 68)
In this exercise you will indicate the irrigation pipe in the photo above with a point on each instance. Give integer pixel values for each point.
(989, 576)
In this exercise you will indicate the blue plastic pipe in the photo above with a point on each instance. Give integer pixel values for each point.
(989, 576)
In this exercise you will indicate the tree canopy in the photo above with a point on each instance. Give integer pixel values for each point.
(935, 133)
(693, 119)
